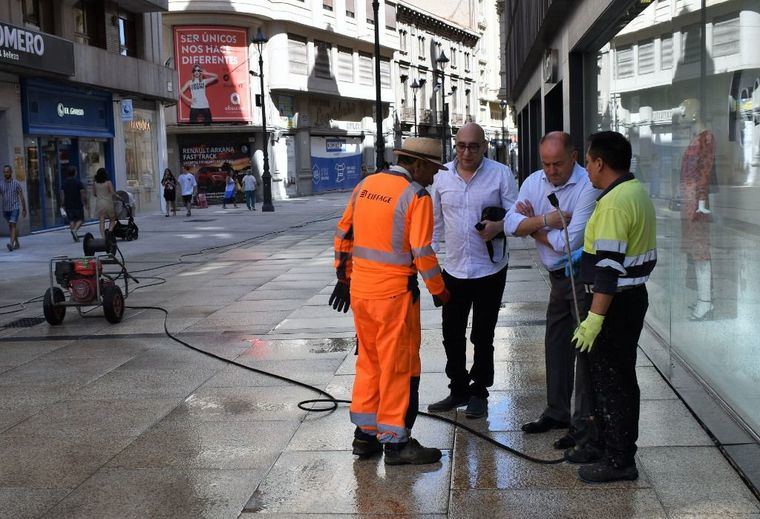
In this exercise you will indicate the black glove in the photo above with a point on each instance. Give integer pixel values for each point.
(441, 299)
(340, 299)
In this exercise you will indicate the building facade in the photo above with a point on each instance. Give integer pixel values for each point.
(82, 85)
(681, 79)
(319, 90)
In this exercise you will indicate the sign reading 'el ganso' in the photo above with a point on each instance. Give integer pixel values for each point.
(31, 49)
(212, 63)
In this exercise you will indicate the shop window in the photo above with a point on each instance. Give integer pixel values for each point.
(345, 64)
(89, 23)
(350, 9)
(322, 62)
(690, 43)
(140, 156)
(646, 57)
(366, 76)
(297, 57)
(127, 34)
(726, 36)
(666, 53)
(624, 62)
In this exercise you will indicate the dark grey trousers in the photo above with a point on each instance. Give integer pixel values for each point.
(565, 368)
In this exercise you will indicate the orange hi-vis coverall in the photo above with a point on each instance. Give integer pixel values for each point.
(381, 243)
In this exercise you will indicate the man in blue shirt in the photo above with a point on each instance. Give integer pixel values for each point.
(474, 273)
(534, 216)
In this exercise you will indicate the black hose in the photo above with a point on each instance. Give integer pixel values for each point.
(332, 401)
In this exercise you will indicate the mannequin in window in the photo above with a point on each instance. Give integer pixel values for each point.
(696, 167)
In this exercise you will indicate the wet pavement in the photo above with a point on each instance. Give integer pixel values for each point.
(116, 421)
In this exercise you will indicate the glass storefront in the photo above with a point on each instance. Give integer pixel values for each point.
(682, 82)
(140, 140)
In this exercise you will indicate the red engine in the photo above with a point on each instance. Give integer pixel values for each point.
(80, 277)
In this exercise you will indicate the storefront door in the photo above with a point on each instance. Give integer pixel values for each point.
(55, 155)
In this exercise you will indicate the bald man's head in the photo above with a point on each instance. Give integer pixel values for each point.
(557, 157)
(470, 145)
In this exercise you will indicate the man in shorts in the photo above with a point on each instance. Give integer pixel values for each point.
(188, 186)
(13, 199)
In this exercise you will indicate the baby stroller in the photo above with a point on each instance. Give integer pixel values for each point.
(124, 206)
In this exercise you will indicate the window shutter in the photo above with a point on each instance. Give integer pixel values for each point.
(297, 59)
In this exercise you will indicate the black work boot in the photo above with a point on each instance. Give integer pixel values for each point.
(450, 402)
(604, 472)
(585, 453)
(365, 445)
(410, 453)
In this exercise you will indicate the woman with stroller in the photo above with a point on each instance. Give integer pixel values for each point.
(104, 208)
(170, 191)
(229, 192)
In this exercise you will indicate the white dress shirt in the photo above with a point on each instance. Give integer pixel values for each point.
(576, 196)
(457, 206)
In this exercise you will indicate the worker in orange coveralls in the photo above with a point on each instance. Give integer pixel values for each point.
(381, 243)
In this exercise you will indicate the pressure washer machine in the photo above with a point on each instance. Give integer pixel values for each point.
(91, 281)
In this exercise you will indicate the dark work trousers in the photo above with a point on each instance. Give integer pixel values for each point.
(613, 374)
(565, 366)
(483, 295)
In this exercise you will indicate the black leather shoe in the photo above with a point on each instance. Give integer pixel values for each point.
(566, 442)
(450, 402)
(544, 424)
(604, 473)
(583, 454)
(366, 448)
(477, 407)
(412, 453)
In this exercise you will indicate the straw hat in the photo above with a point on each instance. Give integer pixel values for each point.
(423, 148)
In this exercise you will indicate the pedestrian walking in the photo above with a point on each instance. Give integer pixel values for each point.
(170, 191)
(13, 200)
(229, 192)
(619, 254)
(534, 216)
(475, 268)
(188, 187)
(249, 186)
(73, 197)
(104, 207)
(382, 241)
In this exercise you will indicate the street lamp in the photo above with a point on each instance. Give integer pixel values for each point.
(503, 105)
(380, 144)
(415, 87)
(441, 61)
(266, 178)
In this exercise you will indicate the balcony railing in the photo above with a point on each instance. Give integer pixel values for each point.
(406, 115)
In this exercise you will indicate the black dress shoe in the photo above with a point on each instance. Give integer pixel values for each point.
(604, 473)
(450, 402)
(544, 424)
(366, 448)
(477, 407)
(566, 442)
(581, 454)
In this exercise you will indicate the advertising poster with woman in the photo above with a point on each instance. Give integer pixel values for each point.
(212, 64)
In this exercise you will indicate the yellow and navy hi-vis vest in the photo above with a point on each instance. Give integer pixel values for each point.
(619, 246)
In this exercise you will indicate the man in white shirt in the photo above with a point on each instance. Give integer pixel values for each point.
(534, 216)
(188, 187)
(249, 188)
(473, 275)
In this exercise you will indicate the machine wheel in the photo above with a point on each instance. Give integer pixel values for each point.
(113, 303)
(53, 314)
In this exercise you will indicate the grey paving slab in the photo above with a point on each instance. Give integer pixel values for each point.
(145, 383)
(12, 414)
(207, 445)
(668, 422)
(52, 372)
(139, 493)
(27, 503)
(695, 481)
(336, 483)
(557, 504)
(507, 411)
(17, 353)
(284, 349)
(522, 377)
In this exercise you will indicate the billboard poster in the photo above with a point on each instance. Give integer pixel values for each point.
(336, 163)
(210, 163)
(212, 64)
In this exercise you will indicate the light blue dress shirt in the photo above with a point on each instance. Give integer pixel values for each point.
(457, 206)
(576, 196)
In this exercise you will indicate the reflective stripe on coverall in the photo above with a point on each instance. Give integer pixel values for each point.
(381, 242)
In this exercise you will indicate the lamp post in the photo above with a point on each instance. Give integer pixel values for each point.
(441, 61)
(380, 144)
(266, 178)
(503, 105)
(415, 87)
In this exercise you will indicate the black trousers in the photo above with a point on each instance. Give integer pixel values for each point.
(483, 296)
(613, 375)
(566, 369)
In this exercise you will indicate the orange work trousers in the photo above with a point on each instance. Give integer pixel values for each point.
(385, 398)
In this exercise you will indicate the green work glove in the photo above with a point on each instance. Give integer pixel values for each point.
(586, 333)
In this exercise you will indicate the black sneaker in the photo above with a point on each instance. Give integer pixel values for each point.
(450, 402)
(412, 453)
(605, 473)
(582, 454)
(566, 442)
(544, 424)
(477, 407)
(366, 448)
